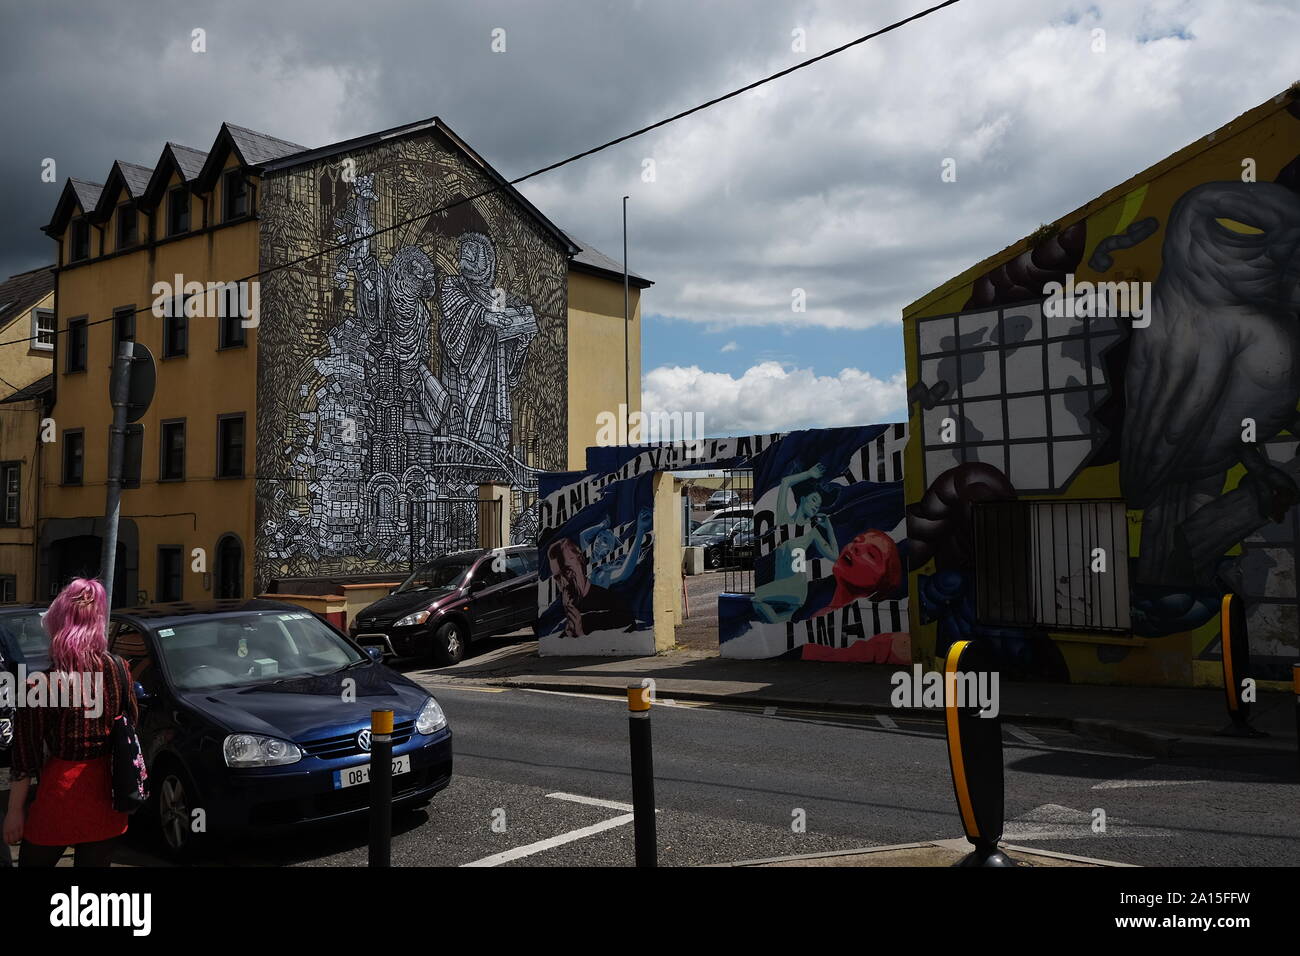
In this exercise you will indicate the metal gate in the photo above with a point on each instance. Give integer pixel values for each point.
(441, 526)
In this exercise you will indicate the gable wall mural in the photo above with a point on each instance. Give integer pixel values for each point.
(405, 368)
(1184, 416)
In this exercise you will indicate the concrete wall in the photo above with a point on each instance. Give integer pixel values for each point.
(596, 372)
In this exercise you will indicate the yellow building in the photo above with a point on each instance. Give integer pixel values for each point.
(26, 350)
(401, 329)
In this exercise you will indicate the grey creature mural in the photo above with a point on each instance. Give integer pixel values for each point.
(1223, 346)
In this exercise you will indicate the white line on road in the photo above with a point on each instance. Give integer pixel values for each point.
(590, 801)
(1023, 736)
(1132, 784)
(522, 851)
(884, 720)
(769, 711)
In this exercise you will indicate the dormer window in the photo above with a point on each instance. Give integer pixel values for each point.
(234, 191)
(79, 241)
(178, 211)
(128, 225)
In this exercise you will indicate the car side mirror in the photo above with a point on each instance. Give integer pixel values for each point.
(478, 584)
(376, 653)
(141, 695)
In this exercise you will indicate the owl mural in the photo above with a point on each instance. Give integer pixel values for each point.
(1221, 352)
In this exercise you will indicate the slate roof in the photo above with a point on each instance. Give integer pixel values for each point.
(136, 176)
(189, 159)
(42, 386)
(20, 293)
(591, 259)
(87, 193)
(257, 148)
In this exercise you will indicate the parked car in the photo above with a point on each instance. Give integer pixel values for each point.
(739, 511)
(743, 548)
(717, 537)
(722, 498)
(258, 712)
(22, 641)
(452, 601)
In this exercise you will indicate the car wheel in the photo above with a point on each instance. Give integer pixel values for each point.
(710, 558)
(175, 799)
(449, 644)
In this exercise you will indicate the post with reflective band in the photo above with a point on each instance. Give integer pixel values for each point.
(974, 756)
(1295, 685)
(643, 775)
(381, 787)
(1235, 642)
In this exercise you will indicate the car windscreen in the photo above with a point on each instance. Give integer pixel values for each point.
(445, 573)
(718, 526)
(234, 651)
(27, 633)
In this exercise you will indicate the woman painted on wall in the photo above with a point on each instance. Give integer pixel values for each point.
(778, 599)
(868, 567)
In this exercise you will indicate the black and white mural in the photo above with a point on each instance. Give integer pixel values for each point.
(410, 367)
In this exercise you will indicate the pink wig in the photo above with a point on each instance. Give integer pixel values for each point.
(75, 623)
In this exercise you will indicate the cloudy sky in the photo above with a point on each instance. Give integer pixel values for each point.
(827, 180)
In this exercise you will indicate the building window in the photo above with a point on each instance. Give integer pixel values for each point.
(10, 483)
(128, 225)
(1015, 388)
(79, 244)
(234, 192)
(231, 328)
(169, 573)
(1061, 565)
(171, 465)
(176, 329)
(178, 211)
(74, 456)
(43, 329)
(230, 567)
(123, 326)
(230, 446)
(77, 344)
(8, 589)
(132, 455)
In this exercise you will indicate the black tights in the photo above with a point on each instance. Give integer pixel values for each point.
(99, 853)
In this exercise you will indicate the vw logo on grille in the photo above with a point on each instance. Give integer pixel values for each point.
(363, 740)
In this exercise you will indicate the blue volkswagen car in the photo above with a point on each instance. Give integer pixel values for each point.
(257, 713)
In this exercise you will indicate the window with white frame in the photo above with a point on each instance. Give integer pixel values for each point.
(43, 329)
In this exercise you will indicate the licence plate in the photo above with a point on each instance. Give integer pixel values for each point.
(355, 776)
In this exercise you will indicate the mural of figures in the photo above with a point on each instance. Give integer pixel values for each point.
(1178, 427)
(596, 577)
(406, 370)
(828, 581)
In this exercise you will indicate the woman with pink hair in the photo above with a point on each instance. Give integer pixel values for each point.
(66, 742)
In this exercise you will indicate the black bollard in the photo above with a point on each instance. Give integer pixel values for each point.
(975, 758)
(381, 787)
(1235, 641)
(643, 775)
(1295, 685)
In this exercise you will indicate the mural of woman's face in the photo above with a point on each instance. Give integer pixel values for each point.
(603, 544)
(869, 564)
(809, 505)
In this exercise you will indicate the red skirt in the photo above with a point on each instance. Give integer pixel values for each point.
(74, 804)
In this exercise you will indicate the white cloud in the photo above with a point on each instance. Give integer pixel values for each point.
(770, 397)
(730, 347)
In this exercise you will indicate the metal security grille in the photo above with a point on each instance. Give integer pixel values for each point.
(443, 525)
(738, 566)
(1061, 565)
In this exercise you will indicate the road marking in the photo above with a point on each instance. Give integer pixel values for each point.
(1133, 784)
(590, 801)
(884, 720)
(477, 690)
(1022, 735)
(769, 711)
(520, 852)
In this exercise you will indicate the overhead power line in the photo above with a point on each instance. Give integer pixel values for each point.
(556, 165)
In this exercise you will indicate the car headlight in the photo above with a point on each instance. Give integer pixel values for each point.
(254, 750)
(431, 719)
(419, 617)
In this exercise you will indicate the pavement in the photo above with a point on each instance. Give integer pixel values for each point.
(1162, 722)
(930, 853)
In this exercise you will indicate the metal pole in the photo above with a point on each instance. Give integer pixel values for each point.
(643, 775)
(1295, 685)
(120, 384)
(627, 360)
(381, 787)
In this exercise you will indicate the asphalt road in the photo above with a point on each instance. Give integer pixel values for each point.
(542, 779)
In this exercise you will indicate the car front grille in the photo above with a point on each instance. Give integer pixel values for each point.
(345, 745)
